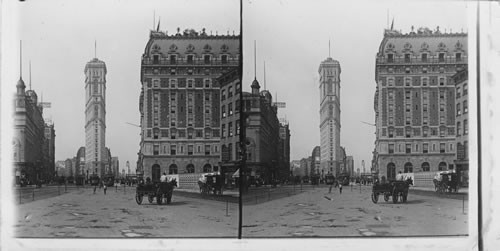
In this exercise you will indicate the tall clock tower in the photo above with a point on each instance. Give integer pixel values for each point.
(329, 86)
(95, 117)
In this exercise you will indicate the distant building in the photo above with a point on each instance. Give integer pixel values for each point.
(180, 100)
(115, 166)
(73, 167)
(415, 100)
(95, 117)
(462, 124)
(316, 162)
(49, 151)
(329, 71)
(60, 168)
(342, 162)
(68, 165)
(295, 167)
(350, 165)
(80, 163)
(284, 151)
(305, 166)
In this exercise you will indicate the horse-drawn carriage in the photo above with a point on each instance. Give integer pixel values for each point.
(397, 189)
(152, 190)
(211, 183)
(446, 181)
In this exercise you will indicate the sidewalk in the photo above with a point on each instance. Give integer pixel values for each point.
(461, 190)
(462, 194)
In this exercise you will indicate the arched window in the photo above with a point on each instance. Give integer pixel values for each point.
(391, 171)
(207, 168)
(172, 169)
(408, 168)
(190, 168)
(442, 166)
(155, 172)
(426, 167)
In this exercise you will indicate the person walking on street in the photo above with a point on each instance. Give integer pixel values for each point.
(340, 188)
(104, 186)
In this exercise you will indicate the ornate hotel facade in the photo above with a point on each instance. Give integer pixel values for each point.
(415, 101)
(180, 101)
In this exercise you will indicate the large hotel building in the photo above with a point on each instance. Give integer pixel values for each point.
(180, 101)
(415, 100)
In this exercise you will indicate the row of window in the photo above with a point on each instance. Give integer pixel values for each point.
(408, 168)
(190, 59)
(409, 132)
(229, 90)
(181, 150)
(173, 169)
(174, 84)
(425, 81)
(230, 129)
(465, 90)
(465, 126)
(230, 109)
(424, 57)
(464, 106)
(181, 134)
(416, 148)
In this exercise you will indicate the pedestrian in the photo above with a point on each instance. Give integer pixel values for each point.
(104, 186)
(340, 188)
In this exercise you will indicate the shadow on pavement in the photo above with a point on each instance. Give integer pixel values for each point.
(414, 201)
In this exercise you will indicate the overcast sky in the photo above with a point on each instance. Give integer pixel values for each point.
(58, 37)
(292, 38)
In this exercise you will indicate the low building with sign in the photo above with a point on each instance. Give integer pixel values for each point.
(462, 120)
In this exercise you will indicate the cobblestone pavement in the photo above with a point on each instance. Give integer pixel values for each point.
(352, 213)
(81, 213)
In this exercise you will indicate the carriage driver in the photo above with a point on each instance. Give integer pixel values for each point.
(164, 177)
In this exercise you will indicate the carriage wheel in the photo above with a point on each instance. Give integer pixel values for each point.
(374, 197)
(138, 198)
(394, 197)
(151, 198)
(387, 197)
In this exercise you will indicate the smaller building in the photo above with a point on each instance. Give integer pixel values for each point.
(115, 166)
(350, 165)
(462, 120)
(316, 162)
(49, 152)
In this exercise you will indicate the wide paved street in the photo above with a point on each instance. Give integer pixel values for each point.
(309, 213)
(352, 213)
(81, 213)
